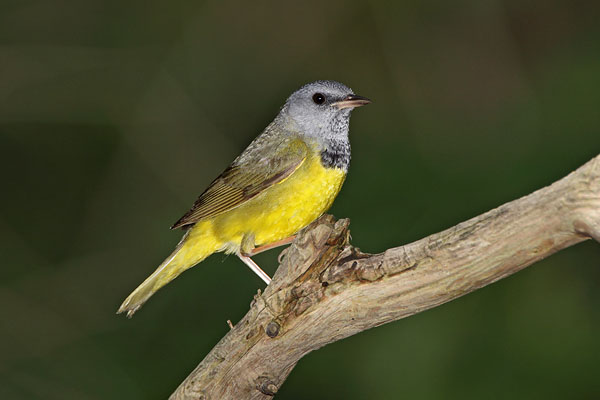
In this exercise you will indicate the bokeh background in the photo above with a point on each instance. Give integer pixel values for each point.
(115, 115)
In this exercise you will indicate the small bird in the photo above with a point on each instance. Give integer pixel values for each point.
(285, 179)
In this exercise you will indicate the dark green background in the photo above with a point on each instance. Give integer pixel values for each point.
(115, 115)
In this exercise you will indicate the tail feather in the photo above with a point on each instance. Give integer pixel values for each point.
(187, 254)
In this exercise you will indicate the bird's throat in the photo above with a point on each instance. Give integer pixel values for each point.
(336, 154)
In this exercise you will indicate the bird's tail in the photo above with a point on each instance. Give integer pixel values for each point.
(197, 244)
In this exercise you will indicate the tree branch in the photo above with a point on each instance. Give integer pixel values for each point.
(326, 290)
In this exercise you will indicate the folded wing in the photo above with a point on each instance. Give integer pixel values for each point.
(263, 164)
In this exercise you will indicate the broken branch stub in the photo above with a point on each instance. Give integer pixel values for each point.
(325, 289)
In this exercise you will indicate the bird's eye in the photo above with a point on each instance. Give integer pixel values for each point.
(318, 98)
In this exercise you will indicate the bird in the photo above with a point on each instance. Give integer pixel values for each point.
(287, 177)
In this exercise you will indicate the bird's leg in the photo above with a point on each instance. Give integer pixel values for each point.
(254, 267)
(245, 256)
(270, 246)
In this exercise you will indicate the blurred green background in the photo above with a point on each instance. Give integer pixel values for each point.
(115, 115)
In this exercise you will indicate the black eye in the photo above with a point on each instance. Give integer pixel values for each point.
(318, 98)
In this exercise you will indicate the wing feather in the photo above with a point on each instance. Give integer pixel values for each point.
(263, 164)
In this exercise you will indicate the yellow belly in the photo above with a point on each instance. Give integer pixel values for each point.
(279, 211)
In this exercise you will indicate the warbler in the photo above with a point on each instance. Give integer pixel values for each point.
(285, 179)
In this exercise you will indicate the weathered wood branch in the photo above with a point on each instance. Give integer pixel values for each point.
(326, 290)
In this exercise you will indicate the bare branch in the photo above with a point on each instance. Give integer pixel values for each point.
(326, 290)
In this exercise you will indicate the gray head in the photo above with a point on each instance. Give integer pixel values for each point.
(321, 109)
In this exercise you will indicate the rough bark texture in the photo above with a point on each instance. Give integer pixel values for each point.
(326, 290)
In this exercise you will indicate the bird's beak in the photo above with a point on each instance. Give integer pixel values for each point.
(351, 101)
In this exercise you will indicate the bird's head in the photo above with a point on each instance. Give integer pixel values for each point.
(322, 109)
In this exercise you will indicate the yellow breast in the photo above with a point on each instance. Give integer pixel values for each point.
(281, 210)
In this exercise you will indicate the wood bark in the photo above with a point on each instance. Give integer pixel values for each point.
(325, 289)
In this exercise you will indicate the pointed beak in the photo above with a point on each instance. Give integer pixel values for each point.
(351, 101)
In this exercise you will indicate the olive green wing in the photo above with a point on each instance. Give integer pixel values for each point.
(263, 164)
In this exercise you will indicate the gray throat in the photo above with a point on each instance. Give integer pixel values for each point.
(336, 154)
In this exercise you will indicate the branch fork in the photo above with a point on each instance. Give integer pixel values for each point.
(325, 289)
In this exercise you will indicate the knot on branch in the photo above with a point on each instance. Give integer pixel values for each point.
(322, 256)
(266, 386)
(320, 263)
(272, 329)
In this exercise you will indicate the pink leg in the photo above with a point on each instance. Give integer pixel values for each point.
(255, 268)
(270, 246)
